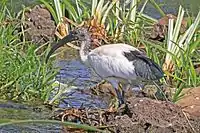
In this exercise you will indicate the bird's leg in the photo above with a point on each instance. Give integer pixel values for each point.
(123, 94)
(123, 88)
(120, 97)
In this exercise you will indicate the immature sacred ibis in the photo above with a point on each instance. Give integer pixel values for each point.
(114, 62)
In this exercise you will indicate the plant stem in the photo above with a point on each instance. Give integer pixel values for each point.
(157, 7)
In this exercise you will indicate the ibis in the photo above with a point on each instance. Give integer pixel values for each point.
(115, 63)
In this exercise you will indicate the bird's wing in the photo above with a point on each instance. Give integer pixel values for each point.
(111, 66)
(125, 61)
(144, 67)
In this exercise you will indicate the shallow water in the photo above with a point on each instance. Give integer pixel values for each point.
(84, 78)
(74, 69)
(70, 69)
(11, 110)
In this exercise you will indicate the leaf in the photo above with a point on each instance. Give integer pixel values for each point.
(51, 10)
(70, 8)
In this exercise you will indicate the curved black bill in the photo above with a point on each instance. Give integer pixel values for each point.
(60, 43)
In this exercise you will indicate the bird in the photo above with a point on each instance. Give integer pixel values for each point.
(115, 63)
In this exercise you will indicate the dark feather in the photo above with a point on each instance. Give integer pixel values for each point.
(144, 67)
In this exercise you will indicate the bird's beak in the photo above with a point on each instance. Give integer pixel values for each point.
(70, 37)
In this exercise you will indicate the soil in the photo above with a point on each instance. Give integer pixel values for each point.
(159, 30)
(141, 114)
(190, 102)
(40, 27)
(147, 115)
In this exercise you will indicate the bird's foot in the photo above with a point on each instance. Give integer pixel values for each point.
(116, 105)
(122, 106)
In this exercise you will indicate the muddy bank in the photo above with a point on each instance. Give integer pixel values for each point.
(147, 115)
(141, 115)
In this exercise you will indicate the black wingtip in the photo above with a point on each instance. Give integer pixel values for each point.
(156, 70)
(144, 66)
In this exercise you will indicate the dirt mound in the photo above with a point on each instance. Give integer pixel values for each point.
(147, 115)
(39, 25)
(140, 115)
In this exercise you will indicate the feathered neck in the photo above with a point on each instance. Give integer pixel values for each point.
(85, 48)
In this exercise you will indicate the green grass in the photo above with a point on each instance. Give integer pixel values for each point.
(24, 76)
(6, 122)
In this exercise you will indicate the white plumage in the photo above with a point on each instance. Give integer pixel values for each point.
(114, 62)
(109, 61)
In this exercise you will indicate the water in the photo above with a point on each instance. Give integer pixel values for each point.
(32, 128)
(11, 110)
(74, 69)
(172, 6)
(84, 78)
(70, 69)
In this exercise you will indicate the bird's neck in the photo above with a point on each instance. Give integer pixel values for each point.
(85, 49)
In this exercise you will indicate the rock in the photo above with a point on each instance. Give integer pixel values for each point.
(160, 29)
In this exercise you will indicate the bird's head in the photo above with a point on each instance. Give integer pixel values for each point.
(79, 34)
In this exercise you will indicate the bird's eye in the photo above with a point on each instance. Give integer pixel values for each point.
(82, 35)
(75, 32)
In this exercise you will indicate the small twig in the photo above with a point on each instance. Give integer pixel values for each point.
(189, 122)
(107, 126)
(100, 118)
(63, 117)
(161, 91)
(87, 116)
(155, 97)
(70, 21)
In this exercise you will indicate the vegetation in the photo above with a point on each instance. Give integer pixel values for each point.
(6, 122)
(183, 48)
(178, 53)
(25, 76)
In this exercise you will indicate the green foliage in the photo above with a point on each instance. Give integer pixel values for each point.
(6, 122)
(23, 74)
(181, 52)
(183, 47)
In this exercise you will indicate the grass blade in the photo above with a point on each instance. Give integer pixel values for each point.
(6, 122)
